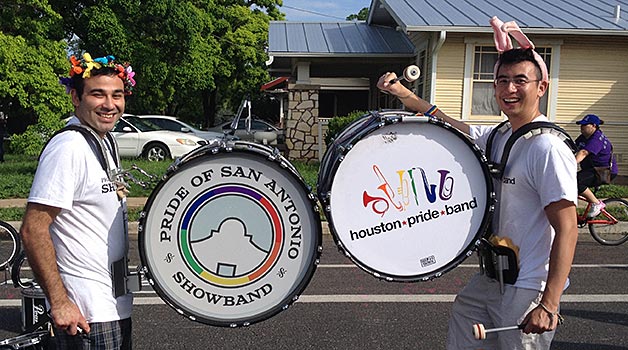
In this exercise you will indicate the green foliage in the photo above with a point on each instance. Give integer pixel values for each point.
(190, 56)
(309, 172)
(336, 124)
(32, 56)
(612, 191)
(157, 169)
(360, 16)
(17, 175)
(32, 141)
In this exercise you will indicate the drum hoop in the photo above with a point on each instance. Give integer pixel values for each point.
(338, 148)
(254, 150)
(483, 231)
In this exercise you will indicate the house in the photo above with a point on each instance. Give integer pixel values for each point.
(332, 68)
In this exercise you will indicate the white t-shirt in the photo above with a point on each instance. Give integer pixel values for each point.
(89, 232)
(540, 170)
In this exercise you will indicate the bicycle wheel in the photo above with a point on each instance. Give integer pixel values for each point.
(9, 244)
(611, 226)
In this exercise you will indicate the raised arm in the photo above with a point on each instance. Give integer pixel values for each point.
(43, 260)
(415, 103)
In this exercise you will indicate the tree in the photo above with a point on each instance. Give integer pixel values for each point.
(32, 57)
(363, 15)
(188, 55)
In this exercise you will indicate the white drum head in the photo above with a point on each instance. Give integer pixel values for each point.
(230, 239)
(410, 200)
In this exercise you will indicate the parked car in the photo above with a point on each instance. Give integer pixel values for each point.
(261, 131)
(173, 124)
(140, 138)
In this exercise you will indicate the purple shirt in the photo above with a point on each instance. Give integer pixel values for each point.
(600, 151)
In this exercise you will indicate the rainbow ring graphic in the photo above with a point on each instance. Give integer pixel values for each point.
(262, 269)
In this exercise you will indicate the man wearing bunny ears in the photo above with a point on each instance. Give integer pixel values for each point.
(535, 210)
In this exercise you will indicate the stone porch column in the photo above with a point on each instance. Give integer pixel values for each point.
(302, 123)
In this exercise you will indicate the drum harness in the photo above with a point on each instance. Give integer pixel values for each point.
(500, 262)
(123, 280)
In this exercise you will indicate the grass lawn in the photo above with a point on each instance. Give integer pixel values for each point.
(16, 178)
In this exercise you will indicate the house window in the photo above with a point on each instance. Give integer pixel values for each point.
(342, 102)
(483, 93)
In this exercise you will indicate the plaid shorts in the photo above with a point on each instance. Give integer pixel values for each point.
(115, 335)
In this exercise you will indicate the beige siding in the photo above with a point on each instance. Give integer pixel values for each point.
(594, 79)
(450, 76)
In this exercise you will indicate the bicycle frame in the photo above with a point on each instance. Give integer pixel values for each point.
(604, 218)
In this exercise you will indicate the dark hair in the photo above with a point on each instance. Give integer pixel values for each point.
(519, 55)
(78, 82)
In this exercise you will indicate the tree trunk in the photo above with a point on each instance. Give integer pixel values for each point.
(209, 108)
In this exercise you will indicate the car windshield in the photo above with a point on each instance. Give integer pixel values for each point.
(142, 124)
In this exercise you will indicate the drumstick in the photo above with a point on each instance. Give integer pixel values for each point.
(410, 74)
(479, 332)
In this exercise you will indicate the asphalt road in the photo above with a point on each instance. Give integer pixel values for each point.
(346, 308)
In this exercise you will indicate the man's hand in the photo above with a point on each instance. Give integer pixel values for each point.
(67, 315)
(395, 89)
(539, 321)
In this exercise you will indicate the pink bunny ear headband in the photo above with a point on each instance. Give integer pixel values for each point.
(503, 42)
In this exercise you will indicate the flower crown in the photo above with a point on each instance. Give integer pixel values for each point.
(85, 66)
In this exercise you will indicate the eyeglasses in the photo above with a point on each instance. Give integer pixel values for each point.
(517, 82)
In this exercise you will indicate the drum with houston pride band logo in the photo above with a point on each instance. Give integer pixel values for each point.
(231, 235)
(407, 197)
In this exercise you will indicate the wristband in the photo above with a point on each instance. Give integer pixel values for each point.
(561, 319)
(432, 111)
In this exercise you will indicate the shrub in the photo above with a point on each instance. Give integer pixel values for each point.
(32, 141)
(336, 124)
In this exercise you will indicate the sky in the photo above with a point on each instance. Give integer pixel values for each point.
(321, 10)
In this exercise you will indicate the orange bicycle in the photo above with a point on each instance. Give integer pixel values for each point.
(610, 227)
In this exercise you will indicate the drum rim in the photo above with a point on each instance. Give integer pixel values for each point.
(324, 179)
(395, 117)
(254, 150)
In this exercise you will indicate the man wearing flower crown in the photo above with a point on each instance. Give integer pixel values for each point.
(535, 212)
(74, 227)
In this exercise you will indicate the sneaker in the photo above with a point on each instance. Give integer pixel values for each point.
(595, 210)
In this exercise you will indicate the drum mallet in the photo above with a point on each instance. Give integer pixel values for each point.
(479, 332)
(410, 74)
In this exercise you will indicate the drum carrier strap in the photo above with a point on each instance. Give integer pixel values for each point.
(124, 281)
(496, 261)
(527, 131)
(96, 144)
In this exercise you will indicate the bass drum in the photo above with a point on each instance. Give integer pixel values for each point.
(231, 235)
(407, 197)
